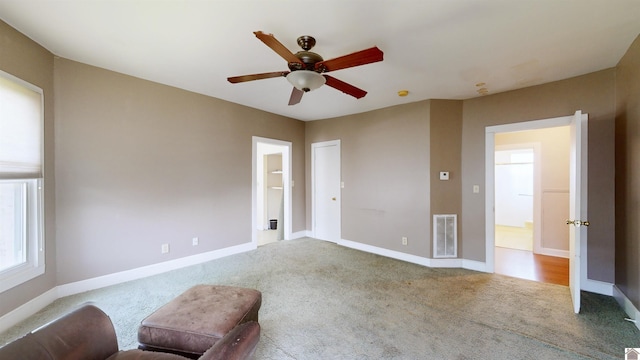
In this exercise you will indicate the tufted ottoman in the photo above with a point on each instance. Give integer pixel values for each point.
(195, 320)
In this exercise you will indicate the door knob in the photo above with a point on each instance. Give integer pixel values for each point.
(578, 223)
(334, 199)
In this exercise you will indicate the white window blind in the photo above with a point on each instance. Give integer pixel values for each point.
(21, 129)
(21, 176)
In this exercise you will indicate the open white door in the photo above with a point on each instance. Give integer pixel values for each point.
(577, 203)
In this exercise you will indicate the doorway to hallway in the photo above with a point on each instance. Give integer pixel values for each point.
(576, 221)
(271, 190)
(531, 187)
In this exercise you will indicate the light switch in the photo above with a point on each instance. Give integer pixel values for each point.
(444, 175)
(476, 189)
(342, 184)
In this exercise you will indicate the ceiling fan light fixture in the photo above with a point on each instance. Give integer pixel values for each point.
(306, 80)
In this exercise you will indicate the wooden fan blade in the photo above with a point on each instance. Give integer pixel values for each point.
(243, 78)
(275, 45)
(296, 96)
(344, 87)
(358, 58)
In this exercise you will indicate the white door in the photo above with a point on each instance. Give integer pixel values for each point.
(325, 176)
(577, 208)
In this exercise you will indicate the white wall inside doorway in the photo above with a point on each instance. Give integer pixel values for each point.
(514, 186)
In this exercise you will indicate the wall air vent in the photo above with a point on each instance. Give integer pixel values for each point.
(445, 236)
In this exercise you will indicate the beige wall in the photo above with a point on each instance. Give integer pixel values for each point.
(23, 58)
(142, 164)
(593, 94)
(554, 171)
(385, 168)
(628, 174)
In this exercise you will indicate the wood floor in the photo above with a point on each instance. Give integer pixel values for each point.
(513, 257)
(527, 265)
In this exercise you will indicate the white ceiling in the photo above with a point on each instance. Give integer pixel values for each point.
(436, 49)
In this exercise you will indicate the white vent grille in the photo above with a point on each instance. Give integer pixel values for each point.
(445, 236)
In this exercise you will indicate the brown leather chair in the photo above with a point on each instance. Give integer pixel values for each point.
(88, 334)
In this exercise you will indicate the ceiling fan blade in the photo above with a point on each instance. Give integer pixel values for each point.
(243, 78)
(276, 46)
(344, 87)
(358, 58)
(296, 96)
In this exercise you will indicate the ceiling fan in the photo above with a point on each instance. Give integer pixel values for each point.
(307, 68)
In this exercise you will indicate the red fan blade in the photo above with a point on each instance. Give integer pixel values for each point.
(344, 87)
(296, 96)
(243, 78)
(275, 45)
(362, 57)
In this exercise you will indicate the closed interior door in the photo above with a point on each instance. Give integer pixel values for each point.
(326, 190)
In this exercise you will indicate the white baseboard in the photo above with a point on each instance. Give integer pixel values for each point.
(300, 234)
(435, 263)
(385, 252)
(474, 265)
(627, 305)
(445, 263)
(150, 270)
(24, 311)
(27, 309)
(554, 252)
(598, 287)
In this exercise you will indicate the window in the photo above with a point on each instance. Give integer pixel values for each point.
(21, 178)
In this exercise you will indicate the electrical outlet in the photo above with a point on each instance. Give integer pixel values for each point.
(404, 240)
(164, 248)
(195, 241)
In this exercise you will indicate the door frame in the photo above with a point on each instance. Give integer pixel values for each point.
(490, 132)
(314, 146)
(286, 148)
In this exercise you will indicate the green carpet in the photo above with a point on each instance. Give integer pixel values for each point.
(324, 301)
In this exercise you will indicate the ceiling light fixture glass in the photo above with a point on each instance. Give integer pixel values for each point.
(306, 80)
